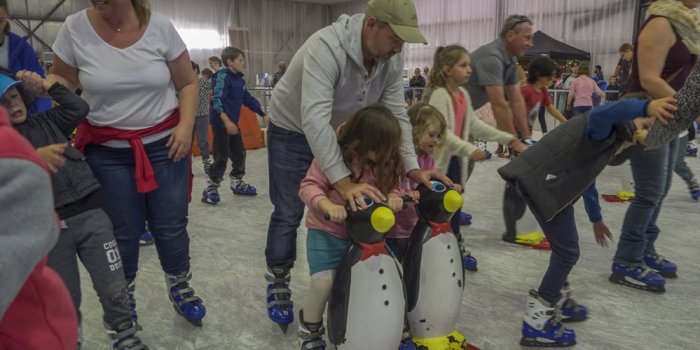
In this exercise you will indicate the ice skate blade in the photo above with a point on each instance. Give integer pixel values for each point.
(544, 343)
(667, 274)
(620, 279)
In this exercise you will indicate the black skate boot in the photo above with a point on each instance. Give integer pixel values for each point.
(310, 334)
(124, 337)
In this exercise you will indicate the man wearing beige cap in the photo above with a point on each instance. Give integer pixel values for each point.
(353, 63)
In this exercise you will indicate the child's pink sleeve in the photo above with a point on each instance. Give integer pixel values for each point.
(314, 186)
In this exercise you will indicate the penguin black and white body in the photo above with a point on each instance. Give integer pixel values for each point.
(367, 304)
(433, 270)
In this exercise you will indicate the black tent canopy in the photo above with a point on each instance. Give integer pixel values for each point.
(545, 45)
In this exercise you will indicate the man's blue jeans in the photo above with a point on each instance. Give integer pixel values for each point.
(652, 171)
(289, 158)
(165, 208)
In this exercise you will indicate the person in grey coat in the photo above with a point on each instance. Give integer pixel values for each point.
(550, 176)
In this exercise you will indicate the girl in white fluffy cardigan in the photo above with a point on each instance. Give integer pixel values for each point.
(451, 68)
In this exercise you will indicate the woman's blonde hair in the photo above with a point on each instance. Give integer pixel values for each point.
(423, 115)
(445, 57)
(143, 11)
(373, 129)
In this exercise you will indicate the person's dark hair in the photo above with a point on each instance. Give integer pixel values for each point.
(540, 67)
(514, 23)
(195, 67)
(207, 73)
(216, 59)
(230, 53)
(598, 67)
(373, 129)
(27, 97)
(3, 5)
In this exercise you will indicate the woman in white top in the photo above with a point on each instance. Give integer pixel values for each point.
(136, 75)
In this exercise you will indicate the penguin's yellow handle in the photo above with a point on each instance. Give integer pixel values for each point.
(452, 201)
(382, 219)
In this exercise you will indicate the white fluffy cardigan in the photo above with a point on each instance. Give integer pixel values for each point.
(472, 127)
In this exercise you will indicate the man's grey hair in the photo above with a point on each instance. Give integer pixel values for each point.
(514, 23)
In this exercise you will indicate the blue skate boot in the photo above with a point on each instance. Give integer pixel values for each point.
(465, 218)
(638, 277)
(571, 311)
(280, 308)
(542, 326)
(211, 195)
(124, 337)
(241, 188)
(691, 151)
(184, 301)
(662, 266)
(407, 344)
(468, 261)
(146, 237)
(310, 334)
(694, 190)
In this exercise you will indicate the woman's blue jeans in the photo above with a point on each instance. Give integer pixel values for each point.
(165, 208)
(652, 171)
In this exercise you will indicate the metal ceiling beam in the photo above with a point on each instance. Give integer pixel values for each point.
(47, 16)
(28, 30)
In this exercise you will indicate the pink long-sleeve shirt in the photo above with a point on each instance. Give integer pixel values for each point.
(407, 218)
(583, 88)
(315, 186)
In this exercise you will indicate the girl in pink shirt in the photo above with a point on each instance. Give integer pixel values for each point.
(429, 128)
(581, 92)
(370, 143)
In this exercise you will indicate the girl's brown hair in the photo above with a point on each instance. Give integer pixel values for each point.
(373, 129)
(143, 11)
(424, 115)
(445, 57)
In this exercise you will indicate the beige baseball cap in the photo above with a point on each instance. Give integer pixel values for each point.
(401, 16)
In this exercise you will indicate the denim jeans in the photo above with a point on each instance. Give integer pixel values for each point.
(165, 208)
(582, 110)
(562, 235)
(652, 171)
(681, 168)
(289, 158)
